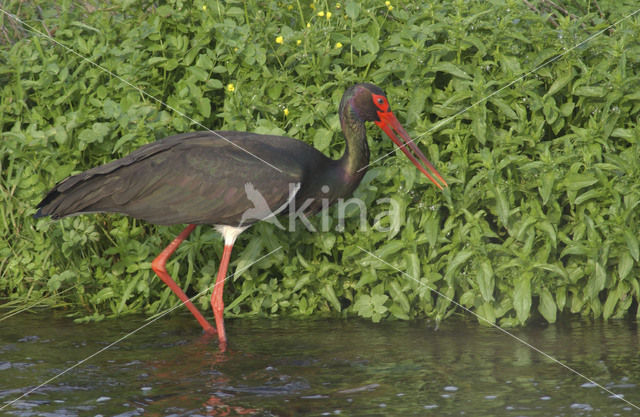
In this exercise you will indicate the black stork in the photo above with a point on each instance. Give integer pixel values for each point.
(206, 178)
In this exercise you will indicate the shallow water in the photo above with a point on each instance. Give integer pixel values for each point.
(328, 367)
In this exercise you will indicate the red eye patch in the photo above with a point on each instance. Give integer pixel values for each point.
(381, 102)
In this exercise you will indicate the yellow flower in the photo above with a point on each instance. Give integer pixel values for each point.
(320, 13)
(328, 15)
(290, 7)
(338, 5)
(390, 8)
(387, 3)
(204, 7)
(313, 6)
(286, 112)
(308, 24)
(298, 42)
(338, 45)
(231, 87)
(280, 40)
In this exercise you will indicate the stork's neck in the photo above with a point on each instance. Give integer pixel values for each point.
(356, 152)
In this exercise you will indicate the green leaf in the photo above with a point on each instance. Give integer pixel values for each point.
(486, 280)
(575, 182)
(460, 258)
(397, 312)
(502, 206)
(379, 309)
(622, 133)
(548, 228)
(561, 81)
(547, 306)
(589, 91)
(610, 304)
(450, 68)
(625, 265)
(111, 109)
(561, 297)
(398, 296)
(245, 258)
(104, 294)
(55, 282)
(390, 248)
(556, 269)
(588, 195)
(522, 297)
(204, 106)
(546, 186)
(632, 244)
(363, 306)
(214, 84)
(504, 108)
(413, 265)
(204, 62)
(301, 282)
(364, 42)
(468, 298)
(85, 26)
(329, 294)
(479, 124)
(487, 312)
(596, 281)
(353, 9)
(156, 59)
(322, 139)
(198, 73)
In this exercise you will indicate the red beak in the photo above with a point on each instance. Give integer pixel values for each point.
(389, 123)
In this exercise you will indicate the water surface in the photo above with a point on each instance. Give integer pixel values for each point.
(327, 367)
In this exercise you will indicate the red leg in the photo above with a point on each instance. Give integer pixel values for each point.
(158, 266)
(217, 304)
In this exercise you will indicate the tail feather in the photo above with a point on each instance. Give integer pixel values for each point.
(83, 196)
(106, 187)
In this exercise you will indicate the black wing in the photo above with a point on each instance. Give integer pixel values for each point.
(195, 178)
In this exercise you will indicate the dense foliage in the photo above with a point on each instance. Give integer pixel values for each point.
(542, 213)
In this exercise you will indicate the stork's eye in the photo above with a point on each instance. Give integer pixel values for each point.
(381, 102)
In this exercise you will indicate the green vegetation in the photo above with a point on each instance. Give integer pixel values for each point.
(542, 213)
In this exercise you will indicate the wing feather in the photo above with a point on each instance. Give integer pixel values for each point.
(194, 178)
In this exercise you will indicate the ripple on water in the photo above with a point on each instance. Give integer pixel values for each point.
(584, 407)
(326, 367)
